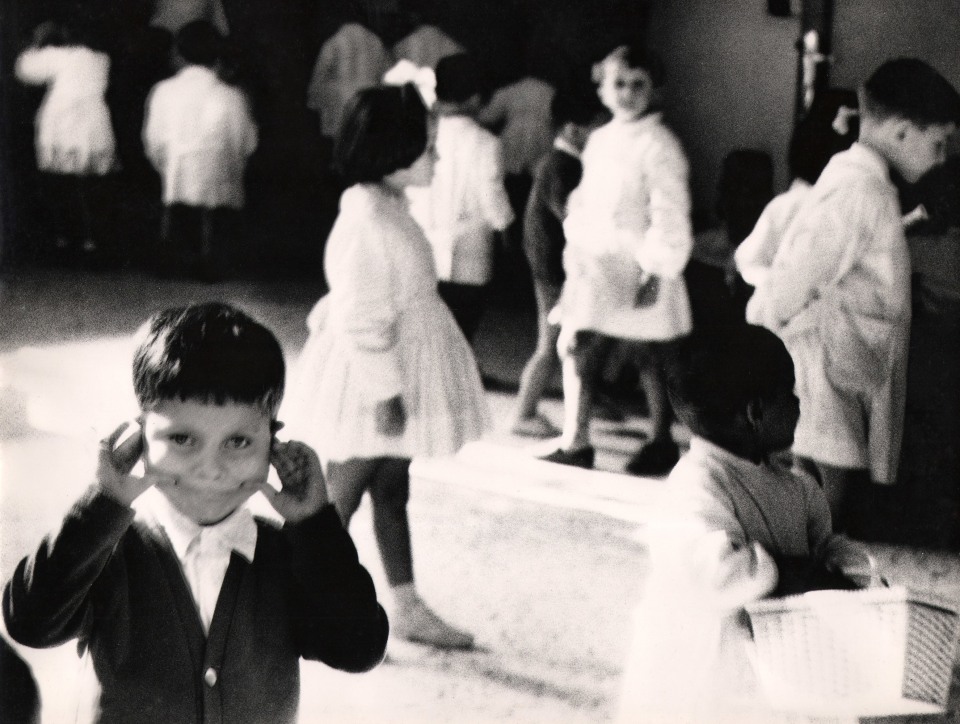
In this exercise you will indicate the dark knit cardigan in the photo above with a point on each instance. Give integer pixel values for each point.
(557, 175)
(116, 585)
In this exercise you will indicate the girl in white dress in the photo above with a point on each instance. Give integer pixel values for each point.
(74, 138)
(386, 374)
(628, 240)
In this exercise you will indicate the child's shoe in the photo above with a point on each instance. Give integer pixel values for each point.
(656, 458)
(581, 457)
(535, 426)
(414, 621)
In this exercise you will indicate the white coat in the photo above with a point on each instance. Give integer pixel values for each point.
(631, 212)
(73, 132)
(465, 203)
(352, 59)
(838, 294)
(199, 134)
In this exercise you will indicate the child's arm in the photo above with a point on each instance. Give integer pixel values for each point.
(837, 552)
(35, 66)
(664, 249)
(154, 131)
(729, 570)
(819, 251)
(337, 616)
(494, 202)
(46, 601)
(713, 557)
(366, 281)
(246, 131)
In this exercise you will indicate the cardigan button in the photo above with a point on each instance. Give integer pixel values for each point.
(210, 676)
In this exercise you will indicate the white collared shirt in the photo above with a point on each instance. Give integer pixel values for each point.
(204, 551)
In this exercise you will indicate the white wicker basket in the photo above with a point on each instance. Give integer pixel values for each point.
(870, 652)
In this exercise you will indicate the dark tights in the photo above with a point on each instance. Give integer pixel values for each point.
(388, 480)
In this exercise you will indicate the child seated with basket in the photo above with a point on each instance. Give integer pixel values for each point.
(736, 522)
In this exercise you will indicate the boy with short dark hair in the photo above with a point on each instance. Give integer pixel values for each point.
(838, 292)
(199, 133)
(466, 204)
(190, 609)
(575, 115)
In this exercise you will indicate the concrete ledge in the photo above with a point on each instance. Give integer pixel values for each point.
(513, 472)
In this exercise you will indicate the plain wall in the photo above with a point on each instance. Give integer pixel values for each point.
(868, 32)
(731, 79)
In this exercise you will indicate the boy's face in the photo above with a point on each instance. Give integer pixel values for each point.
(626, 92)
(920, 149)
(218, 455)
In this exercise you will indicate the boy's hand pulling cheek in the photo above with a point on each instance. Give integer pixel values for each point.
(304, 490)
(119, 453)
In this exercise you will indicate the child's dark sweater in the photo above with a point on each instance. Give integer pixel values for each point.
(115, 584)
(556, 176)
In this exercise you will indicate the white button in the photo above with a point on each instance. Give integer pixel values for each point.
(210, 676)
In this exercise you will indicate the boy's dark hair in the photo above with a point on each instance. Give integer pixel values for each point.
(51, 33)
(199, 43)
(910, 89)
(716, 374)
(633, 55)
(459, 78)
(211, 353)
(385, 130)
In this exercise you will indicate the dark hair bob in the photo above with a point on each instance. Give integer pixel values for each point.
(384, 130)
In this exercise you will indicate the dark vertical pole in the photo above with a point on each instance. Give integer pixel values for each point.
(816, 16)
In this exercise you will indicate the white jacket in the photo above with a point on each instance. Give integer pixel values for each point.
(465, 203)
(199, 134)
(838, 294)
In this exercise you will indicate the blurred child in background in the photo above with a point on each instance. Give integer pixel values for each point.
(74, 137)
(199, 133)
(628, 240)
(557, 174)
(465, 206)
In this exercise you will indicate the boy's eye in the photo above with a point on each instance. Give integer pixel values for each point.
(238, 442)
(180, 438)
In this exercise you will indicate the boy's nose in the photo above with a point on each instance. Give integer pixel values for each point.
(210, 468)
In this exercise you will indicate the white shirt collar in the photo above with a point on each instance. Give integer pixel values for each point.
(237, 532)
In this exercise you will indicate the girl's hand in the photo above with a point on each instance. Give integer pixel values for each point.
(648, 292)
(303, 488)
(391, 417)
(119, 452)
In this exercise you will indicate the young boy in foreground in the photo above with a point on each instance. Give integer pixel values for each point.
(190, 609)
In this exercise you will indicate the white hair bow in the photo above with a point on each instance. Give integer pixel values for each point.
(423, 78)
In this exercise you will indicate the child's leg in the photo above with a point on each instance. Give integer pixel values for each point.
(580, 360)
(540, 368)
(346, 483)
(390, 491)
(654, 383)
(840, 485)
(660, 453)
(578, 387)
(412, 620)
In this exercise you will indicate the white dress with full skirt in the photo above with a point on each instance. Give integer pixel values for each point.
(382, 331)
